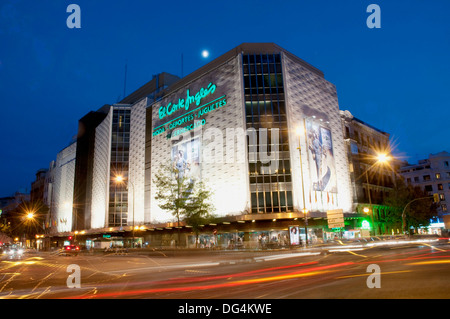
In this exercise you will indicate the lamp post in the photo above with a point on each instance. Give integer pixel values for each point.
(305, 211)
(370, 200)
(29, 218)
(120, 179)
(381, 158)
(404, 211)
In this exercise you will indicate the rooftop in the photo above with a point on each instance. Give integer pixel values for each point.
(244, 48)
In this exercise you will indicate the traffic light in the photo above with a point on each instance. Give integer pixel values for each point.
(436, 198)
(70, 237)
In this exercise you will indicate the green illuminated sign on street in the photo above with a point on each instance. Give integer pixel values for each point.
(365, 225)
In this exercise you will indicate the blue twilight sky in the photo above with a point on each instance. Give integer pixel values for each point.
(396, 78)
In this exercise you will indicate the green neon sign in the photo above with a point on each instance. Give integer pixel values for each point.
(365, 224)
(193, 115)
(185, 103)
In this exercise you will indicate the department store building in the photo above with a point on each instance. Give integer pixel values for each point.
(260, 127)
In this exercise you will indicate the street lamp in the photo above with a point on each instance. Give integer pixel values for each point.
(299, 132)
(120, 179)
(381, 158)
(29, 220)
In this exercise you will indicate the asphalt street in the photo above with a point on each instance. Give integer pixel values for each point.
(386, 270)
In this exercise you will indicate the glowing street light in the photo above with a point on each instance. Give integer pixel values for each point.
(383, 158)
(380, 158)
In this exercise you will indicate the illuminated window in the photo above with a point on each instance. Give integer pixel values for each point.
(270, 188)
(353, 147)
(438, 176)
(120, 138)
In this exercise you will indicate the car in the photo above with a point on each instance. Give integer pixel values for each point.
(70, 250)
(13, 251)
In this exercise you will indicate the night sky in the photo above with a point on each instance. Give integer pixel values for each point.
(395, 78)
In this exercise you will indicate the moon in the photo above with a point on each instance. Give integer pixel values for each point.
(205, 53)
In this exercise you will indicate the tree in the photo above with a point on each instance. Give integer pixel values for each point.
(198, 209)
(173, 188)
(416, 203)
(182, 197)
(4, 231)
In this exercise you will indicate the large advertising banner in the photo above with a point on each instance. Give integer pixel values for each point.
(294, 235)
(322, 167)
(186, 159)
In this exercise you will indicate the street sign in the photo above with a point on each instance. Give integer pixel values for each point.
(335, 218)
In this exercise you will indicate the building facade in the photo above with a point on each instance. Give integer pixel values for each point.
(62, 201)
(260, 127)
(432, 175)
(38, 186)
(110, 142)
(371, 180)
(364, 142)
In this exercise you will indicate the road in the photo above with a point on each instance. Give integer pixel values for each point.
(407, 270)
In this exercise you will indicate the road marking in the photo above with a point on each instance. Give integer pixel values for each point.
(197, 271)
(283, 256)
(384, 273)
(434, 247)
(47, 290)
(430, 262)
(351, 252)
